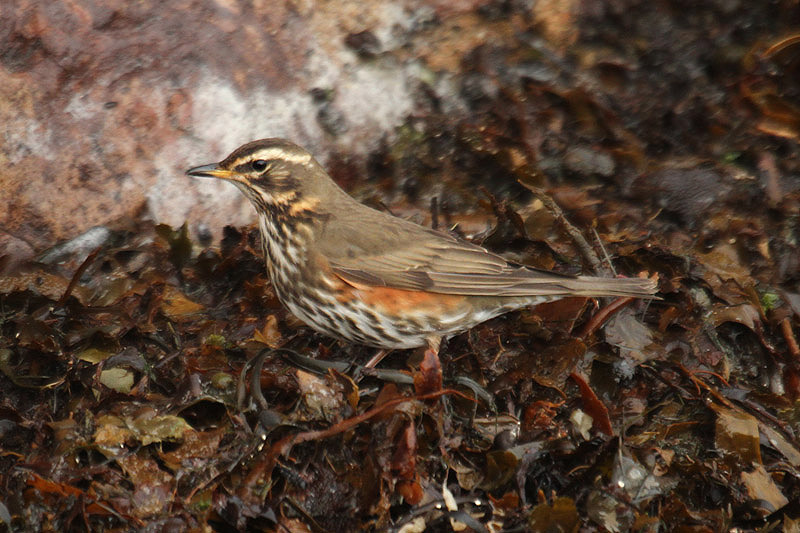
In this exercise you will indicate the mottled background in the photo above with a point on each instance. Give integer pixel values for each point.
(104, 104)
(667, 132)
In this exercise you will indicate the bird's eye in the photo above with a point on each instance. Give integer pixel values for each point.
(259, 165)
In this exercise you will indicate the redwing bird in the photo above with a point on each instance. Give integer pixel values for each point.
(368, 277)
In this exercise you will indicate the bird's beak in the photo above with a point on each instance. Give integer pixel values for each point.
(211, 171)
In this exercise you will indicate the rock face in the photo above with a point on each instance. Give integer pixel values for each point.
(104, 104)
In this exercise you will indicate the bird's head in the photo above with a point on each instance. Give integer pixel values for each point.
(273, 174)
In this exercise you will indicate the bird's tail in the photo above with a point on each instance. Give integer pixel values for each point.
(593, 287)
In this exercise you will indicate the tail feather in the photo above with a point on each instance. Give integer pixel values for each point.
(525, 282)
(590, 286)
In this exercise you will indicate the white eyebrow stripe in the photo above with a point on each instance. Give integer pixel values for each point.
(286, 155)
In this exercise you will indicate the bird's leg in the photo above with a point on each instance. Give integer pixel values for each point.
(433, 345)
(429, 377)
(377, 358)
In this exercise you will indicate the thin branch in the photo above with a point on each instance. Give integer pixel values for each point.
(577, 237)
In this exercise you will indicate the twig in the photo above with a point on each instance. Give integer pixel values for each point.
(255, 381)
(434, 213)
(605, 252)
(603, 315)
(77, 276)
(580, 242)
(282, 447)
(791, 341)
(593, 406)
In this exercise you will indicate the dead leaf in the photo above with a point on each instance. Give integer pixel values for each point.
(269, 335)
(404, 466)
(153, 490)
(737, 434)
(724, 263)
(633, 339)
(562, 516)
(41, 282)
(323, 398)
(118, 379)
(761, 487)
(176, 305)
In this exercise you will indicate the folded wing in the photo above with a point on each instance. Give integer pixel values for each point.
(418, 258)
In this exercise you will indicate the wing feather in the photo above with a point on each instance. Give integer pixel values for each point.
(409, 256)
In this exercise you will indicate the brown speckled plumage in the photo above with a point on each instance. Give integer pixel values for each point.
(368, 277)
